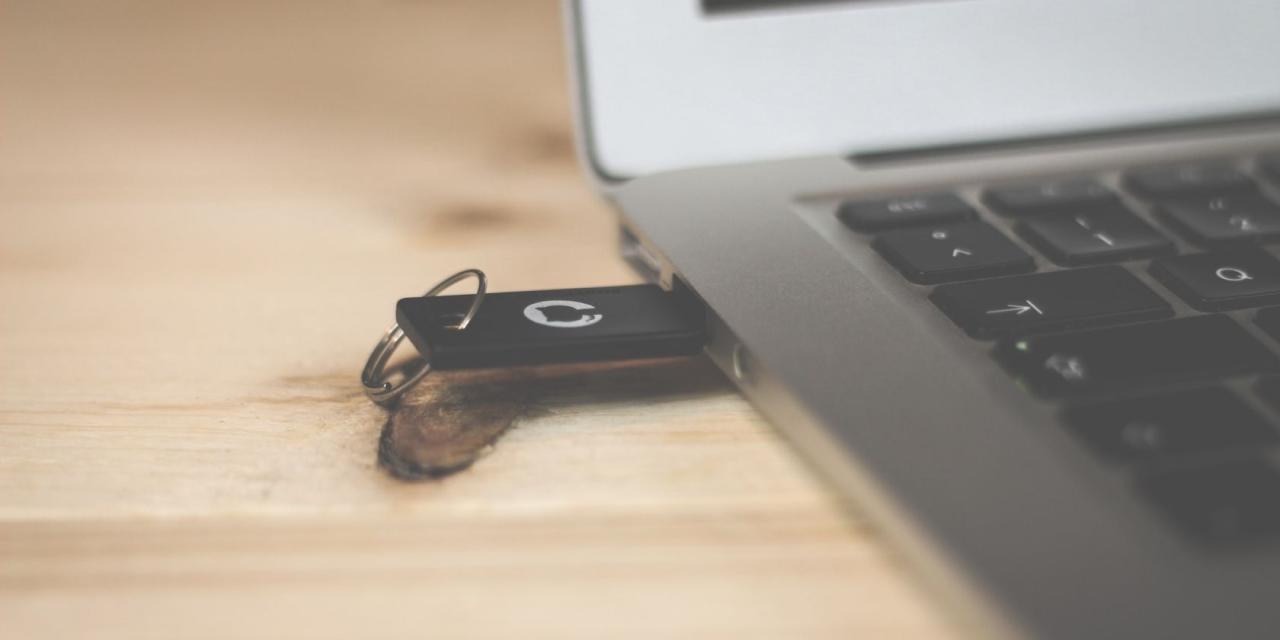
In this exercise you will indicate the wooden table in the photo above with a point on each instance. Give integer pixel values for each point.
(208, 211)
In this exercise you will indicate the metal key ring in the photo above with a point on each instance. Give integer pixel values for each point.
(375, 386)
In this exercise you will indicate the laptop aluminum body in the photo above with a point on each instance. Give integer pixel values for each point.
(727, 133)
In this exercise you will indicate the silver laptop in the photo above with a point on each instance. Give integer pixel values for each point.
(1004, 271)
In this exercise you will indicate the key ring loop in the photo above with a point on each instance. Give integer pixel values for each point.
(375, 385)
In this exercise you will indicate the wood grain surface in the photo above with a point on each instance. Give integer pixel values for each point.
(208, 212)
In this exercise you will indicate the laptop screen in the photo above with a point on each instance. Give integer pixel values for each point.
(678, 83)
(714, 6)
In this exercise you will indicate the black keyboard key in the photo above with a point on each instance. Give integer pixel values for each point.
(952, 252)
(1268, 389)
(1269, 321)
(1269, 166)
(877, 215)
(1160, 427)
(1094, 236)
(1193, 349)
(1248, 277)
(1049, 301)
(1220, 505)
(1061, 195)
(1189, 178)
(1224, 218)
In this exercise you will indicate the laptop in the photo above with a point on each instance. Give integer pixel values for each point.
(1003, 271)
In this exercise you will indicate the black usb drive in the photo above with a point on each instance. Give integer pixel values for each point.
(554, 326)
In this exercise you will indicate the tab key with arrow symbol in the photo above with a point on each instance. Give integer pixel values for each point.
(1053, 301)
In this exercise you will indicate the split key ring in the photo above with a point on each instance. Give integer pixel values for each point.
(373, 378)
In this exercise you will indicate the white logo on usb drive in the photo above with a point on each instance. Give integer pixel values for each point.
(565, 314)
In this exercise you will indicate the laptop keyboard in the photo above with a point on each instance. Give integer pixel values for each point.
(1151, 374)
